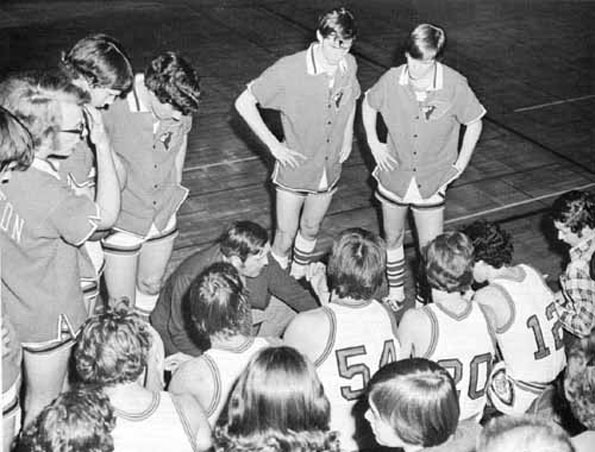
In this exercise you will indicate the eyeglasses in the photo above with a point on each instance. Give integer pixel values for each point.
(340, 44)
(80, 129)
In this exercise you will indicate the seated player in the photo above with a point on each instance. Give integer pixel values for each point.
(523, 433)
(80, 420)
(354, 335)
(520, 307)
(220, 313)
(245, 246)
(452, 331)
(579, 385)
(278, 405)
(112, 353)
(413, 404)
(573, 215)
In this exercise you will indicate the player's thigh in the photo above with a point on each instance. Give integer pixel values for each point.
(315, 208)
(153, 260)
(121, 251)
(429, 223)
(288, 207)
(394, 218)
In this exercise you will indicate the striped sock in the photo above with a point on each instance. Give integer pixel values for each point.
(145, 304)
(302, 255)
(395, 273)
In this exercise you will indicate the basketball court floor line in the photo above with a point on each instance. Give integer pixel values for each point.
(554, 103)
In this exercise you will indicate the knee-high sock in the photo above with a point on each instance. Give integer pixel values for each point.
(302, 255)
(145, 303)
(395, 273)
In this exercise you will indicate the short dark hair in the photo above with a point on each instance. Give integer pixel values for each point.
(423, 40)
(357, 264)
(218, 301)
(418, 398)
(81, 419)
(174, 81)
(491, 243)
(338, 22)
(113, 347)
(449, 262)
(579, 381)
(101, 61)
(16, 142)
(523, 433)
(575, 210)
(242, 239)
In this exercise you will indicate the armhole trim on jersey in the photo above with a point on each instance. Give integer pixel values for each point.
(434, 331)
(142, 415)
(510, 303)
(541, 277)
(392, 319)
(185, 423)
(210, 410)
(330, 343)
(491, 331)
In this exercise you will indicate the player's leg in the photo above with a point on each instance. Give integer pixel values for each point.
(394, 217)
(429, 223)
(152, 263)
(121, 263)
(45, 373)
(315, 208)
(288, 207)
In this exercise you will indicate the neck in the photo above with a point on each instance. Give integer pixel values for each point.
(502, 272)
(323, 62)
(453, 302)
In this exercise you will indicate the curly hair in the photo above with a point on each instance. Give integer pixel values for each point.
(357, 264)
(575, 210)
(81, 419)
(278, 404)
(16, 142)
(579, 381)
(218, 302)
(113, 347)
(449, 262)
(418, 398)
(174, 81)
(35, 98)
(101, 61)
(491, 244)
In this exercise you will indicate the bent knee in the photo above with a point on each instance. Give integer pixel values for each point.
(150, 286)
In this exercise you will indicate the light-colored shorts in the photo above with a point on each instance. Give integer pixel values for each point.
(122, 242)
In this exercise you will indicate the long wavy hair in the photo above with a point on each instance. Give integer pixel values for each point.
(278, 404)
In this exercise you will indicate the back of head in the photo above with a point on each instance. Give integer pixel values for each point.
(35, 98)
(426, 41)
(101, 61)
(174, 81)
(81, 419)
(113, 347)
(579, 381)
(523, 433)
(575, 210)
(242, 239)
(337, 22)
(357, 264)
(278, 402)
(449, 262)
(218, 301)
(491, 244)
(16, 142)
(418, 398)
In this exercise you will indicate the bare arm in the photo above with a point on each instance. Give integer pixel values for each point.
(496, 306)
(194, 377)
(470, 138)
(246, 106)
(197, 421)
(307, 333)
(384, 160)
(415, 333)
(180, 158)
(107, 196)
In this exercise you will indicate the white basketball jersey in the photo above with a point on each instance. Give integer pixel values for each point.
(161, 427)
(531, 342)
(362, 339)
(463, 346)
(226, 366)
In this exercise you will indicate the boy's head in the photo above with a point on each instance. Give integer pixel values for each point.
(245, 245)
(81, 419)
(449, 262)
(573, 215)
(492, 246)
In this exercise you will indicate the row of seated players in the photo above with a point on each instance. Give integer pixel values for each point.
(281, 401)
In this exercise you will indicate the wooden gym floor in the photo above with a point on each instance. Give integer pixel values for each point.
(530, 63)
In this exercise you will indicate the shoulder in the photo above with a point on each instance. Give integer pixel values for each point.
(310, 321)
(308, 332)
(187, 376)
(413, 318)
(492, 294)
(453, 76)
